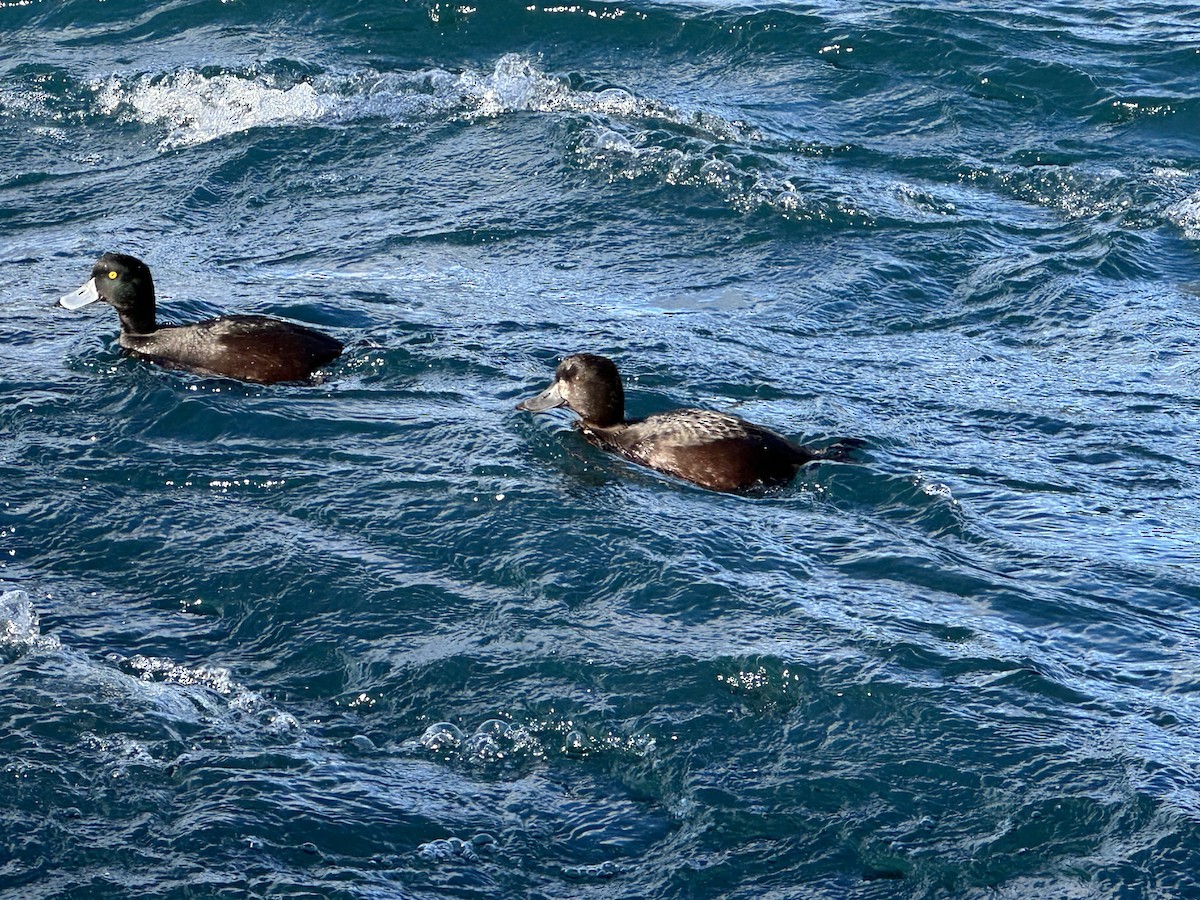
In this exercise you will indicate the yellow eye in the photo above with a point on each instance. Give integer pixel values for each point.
(112, 276)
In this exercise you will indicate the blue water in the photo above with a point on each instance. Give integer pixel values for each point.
(385, 636)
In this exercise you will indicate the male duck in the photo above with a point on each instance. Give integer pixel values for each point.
(250, 348)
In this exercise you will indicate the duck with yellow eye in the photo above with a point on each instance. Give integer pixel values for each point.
(250, 348)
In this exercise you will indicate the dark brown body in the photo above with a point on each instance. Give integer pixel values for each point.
(713, 450)
(249, 348)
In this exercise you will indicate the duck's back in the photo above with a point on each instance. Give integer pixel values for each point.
(251, 348)
(711, 449)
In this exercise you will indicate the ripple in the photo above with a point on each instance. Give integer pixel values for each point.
(325, 639)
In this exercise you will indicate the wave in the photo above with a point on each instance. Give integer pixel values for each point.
(617, 135)
(198, 106)
(610, 130)
(186, 693)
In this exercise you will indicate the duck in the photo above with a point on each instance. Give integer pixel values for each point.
(714, 450)
(257, 349)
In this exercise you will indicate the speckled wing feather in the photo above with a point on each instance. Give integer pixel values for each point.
(691, 426)
(712, 449)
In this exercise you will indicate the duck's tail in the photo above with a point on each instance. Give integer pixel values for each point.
(841, 450)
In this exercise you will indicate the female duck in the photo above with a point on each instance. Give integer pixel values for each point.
(711, 449)
(250, 348)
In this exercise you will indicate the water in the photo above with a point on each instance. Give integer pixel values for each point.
(386, 636)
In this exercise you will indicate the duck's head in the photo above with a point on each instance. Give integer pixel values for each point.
(124, 283)
(587, 384)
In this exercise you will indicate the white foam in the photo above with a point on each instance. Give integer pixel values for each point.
(602, 148)
(20, 627)
(198, 694)
(210, 690)
(196, 108)
(1185, 215)
(20, 102)
(216, 679)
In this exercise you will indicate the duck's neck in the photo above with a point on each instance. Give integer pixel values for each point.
(602, 435)
(612, 422)
(137, 321)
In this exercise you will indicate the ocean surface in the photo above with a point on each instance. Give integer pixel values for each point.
(385, 636)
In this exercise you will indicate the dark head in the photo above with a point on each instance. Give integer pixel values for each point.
(124, 282)
(587, 384)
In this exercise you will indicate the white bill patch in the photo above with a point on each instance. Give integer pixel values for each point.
(86, 294)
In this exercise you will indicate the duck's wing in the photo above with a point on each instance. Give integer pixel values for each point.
(712, 449)
(693, 426)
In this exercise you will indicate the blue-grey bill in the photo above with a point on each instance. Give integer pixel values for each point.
(86, 294)
(547, 399)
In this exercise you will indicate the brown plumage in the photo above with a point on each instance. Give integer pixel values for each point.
(711, 449)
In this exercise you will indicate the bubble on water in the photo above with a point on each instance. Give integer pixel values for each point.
(765, 684)
(575, 743)
(490, 741)
(602, 871)
(282, 722)
(453, 848)
(484, 843)
(501, 740)
(442, 736)
(18, 620)
(207, 690)
(362, 701)
(363, 744)
(935, 489)
(447, 849)
(153, 669)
